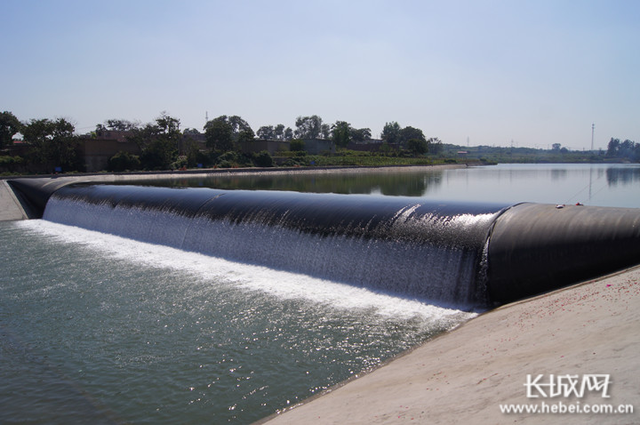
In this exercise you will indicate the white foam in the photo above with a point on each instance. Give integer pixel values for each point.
(282, 284)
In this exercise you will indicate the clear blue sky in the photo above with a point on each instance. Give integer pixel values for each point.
(535, 72)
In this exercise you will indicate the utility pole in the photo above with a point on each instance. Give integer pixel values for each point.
(593, 129)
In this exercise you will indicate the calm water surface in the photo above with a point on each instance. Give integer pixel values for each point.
(100, 329)
(616, 185)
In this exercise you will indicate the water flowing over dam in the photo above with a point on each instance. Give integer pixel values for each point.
(429, 251)
(472, 255)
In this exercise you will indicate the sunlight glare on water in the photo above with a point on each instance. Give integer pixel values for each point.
(147, 334)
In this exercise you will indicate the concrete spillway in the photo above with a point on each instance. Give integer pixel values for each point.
(468, 254)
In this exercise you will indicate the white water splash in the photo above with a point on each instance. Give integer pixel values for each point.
(281, 284)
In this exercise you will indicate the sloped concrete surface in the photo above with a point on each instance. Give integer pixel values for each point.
(10, 208)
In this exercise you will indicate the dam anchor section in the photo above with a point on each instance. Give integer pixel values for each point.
(431, 251)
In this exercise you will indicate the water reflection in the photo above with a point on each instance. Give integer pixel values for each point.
(400, 183)
(558, 174)
(594, 184)
(623, 176)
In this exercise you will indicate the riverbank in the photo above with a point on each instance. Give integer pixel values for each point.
(465, 376)
(10, 208)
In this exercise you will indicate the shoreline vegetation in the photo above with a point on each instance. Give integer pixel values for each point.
(347, 161)
(44, 147)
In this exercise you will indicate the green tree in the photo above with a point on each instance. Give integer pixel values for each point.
(627, 149)
(266, 132)
(269, 132)
(341, 133)
(613, 146)
(53, 144)
(117, 125)
(636, 152)
(391, 132)
(417, 146)
(309, 127)
(219, 134)
(158, 142)
(246, 135)
(168, 125)
(409, 133)
(224, 132)
(279, 132)
(159, 154)
(325, 131)
(193, 154)
(238, 124)
(191, 132)
(360, 134)
(434, 145)
(9, 127)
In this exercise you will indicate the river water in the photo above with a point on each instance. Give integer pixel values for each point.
(96, 328)
(613, 185)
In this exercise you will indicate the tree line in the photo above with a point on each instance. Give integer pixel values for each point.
(627, 149)
(54, 145)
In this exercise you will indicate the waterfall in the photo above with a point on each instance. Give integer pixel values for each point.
(408, 247)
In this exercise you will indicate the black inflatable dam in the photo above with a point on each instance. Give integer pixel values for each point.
(471, 255)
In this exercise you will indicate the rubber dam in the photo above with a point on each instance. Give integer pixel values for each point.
(472, 255)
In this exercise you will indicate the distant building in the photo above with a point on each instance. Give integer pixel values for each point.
(317, 146)
(106, 143)
(259, 145)
(372, 145)
(97, 149)
(311, 146)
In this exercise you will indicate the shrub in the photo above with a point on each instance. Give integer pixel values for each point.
(181, 162)
(10, 160)
(263, 159)
(227, 160)
(123, 161)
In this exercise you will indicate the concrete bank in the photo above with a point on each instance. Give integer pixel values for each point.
(10, 208)
(464, 376)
